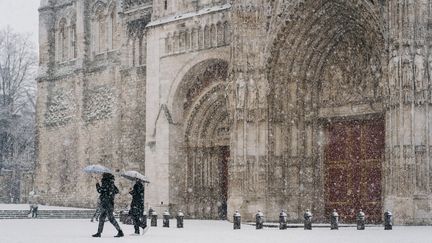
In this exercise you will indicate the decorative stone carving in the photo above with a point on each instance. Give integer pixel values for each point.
(393, 76)
(98, 104)
(263, 92)
(407, 75)
(60, 108)
(419, 76)
(419, 70)
(252, 94)
(229, 95)
(240, 91)
(128, 4)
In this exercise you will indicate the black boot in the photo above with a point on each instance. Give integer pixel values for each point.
(137, 231)
(119, 234)
(97, 235)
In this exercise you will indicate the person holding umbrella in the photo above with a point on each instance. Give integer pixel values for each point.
(107, 192)
(137, 205)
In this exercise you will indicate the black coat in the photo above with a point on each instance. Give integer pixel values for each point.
(107, 192)
(137, 204)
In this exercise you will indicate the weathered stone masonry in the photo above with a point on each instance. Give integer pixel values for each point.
(244, 104)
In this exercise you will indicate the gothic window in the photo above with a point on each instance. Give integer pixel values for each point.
(200, 38)
(168, 44)
(130, 52)
(220, 34)
(213, 35)
(73, 41)
(99, 32)
(182, 41)
(62, 47)
(133, 52)
(165, 4)
(206, 37)
(111, 30)
(101, 35)
(227, 36)
(194, 39)
(175, 42)
(188, 40)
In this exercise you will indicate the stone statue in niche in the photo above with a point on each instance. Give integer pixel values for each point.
(263, 92)
(393, 75)
(419, 70)
(229, 95)
(407, 74)
(252, 94)
(240, 91)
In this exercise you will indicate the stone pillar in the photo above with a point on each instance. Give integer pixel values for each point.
(46, 39)
(407, 189)
(248, 89)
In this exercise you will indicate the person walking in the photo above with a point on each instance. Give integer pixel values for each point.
(33, 204)
(97, 211)
(137, 205)
(107, 192)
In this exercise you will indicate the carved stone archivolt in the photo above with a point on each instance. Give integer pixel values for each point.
(198, 37)
(131, 4)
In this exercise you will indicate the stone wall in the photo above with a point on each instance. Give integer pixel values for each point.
(91, 107)
(121, 96)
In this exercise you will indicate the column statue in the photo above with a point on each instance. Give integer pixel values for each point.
(263, 92)
(393, 76)
(252, 94)
(240, 91)
(419, 70)
(419, 75)
(407, 75)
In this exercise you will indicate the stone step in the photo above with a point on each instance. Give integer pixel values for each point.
(47, 214)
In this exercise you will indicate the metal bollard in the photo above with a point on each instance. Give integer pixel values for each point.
(361, 220)
(166, 218)
(334, 220)
(180, 218)
(237, 220)
(259, 220)
(153, 221)
(388, 224)
(144, 220)
(283, 218)
(307, 220)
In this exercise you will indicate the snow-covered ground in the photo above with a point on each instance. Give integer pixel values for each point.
(27, 207)
(195, 231)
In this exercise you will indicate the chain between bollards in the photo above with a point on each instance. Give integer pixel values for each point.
(307, 220)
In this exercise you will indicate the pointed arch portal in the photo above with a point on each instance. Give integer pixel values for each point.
(203, 138)
(327, 116)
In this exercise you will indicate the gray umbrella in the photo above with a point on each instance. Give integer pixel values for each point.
(133, 175)
(97, 169)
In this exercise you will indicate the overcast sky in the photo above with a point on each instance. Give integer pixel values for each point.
(21, 15)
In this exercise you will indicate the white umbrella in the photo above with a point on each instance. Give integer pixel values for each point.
(133, 175)
(97, 169)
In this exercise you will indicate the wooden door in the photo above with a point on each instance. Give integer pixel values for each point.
(353, 157)
(223, 178)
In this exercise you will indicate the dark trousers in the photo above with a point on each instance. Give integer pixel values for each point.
(137, 221)
(107, 212)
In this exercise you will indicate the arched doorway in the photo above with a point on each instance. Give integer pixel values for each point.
(203, 145)
(327, 115)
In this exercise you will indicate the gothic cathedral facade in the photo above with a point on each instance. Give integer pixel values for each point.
(240, 105)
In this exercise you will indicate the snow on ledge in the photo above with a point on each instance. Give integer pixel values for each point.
(40, 207)
(174, 18)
